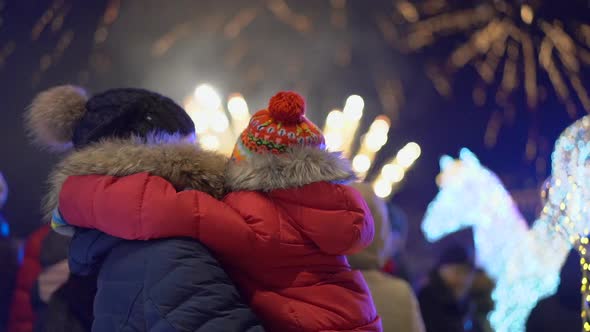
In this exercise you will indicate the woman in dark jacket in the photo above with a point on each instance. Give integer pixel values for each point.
(443, 300)
(561, 311)
(173, 284)
(61, 301)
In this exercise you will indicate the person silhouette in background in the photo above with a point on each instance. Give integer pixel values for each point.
(482, 304)
(61, 301)
(561, 311)
(394, 298)
(444, 298)
(396, 265)
(47, 297)
(22, 316)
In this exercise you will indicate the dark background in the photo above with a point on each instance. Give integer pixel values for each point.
(326, 62)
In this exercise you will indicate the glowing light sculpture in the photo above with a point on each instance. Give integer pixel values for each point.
(568, 198)
(524, 262)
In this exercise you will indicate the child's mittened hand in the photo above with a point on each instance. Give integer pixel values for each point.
(59, 225)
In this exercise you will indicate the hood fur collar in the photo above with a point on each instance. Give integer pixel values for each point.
(182, 164)
(296, 168)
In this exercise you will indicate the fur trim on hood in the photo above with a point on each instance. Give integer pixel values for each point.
(296, 168)
(181, 163)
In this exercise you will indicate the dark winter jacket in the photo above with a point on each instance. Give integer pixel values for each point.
(560, 312)
(165, 285)
(440, 310)
(173, 284)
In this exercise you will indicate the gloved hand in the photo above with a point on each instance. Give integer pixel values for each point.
(52, 278)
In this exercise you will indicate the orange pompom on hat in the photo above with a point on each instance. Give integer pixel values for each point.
(279, 127)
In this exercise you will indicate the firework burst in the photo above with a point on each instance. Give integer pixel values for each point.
(508, 43)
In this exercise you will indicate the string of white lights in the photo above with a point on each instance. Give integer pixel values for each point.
(567, 197)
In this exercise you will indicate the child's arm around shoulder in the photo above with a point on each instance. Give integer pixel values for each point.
(334, 216)
(144, 206)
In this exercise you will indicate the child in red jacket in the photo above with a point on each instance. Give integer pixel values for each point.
(282, 232)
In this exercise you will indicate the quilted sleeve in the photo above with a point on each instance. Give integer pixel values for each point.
(143, 207)
(334, 216)
(136, 207)
(187, 289)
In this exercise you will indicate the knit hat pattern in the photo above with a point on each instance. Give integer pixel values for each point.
(281, 126)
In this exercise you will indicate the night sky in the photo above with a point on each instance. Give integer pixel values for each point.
(273, 57)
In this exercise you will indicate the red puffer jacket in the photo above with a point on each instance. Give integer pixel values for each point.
(22, 317)
(285, 246)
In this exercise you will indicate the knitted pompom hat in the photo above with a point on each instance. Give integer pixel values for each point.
(65, 116)
(279, 127)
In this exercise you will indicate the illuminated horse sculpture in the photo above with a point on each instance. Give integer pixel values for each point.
(524, 262)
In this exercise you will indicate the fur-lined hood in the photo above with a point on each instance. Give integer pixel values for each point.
(298, 167)
(181, 163)
(187, 167)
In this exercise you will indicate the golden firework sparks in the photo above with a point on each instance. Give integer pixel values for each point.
(109, 17)
(507, 44)
(285, 14)
(6, 51)
(51, 58)
(45, 19)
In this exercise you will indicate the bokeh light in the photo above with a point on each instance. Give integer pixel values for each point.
(361, 163)
(207, 97)
(408, 154)
(393, 172)
(210, 142)
(333, 141)
(382, 188)
(237, 107)
(353, 108)
(219, 122)
(335, 119)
